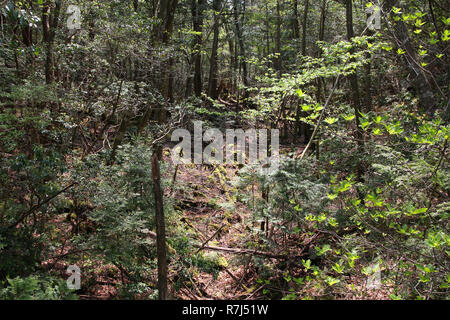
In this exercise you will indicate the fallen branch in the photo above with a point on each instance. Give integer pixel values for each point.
(226, 103)
(210, 238)
(152, 235)
(245, 251)
(255, 292)
(238, 282)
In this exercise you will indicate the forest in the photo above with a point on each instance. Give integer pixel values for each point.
(336, 181)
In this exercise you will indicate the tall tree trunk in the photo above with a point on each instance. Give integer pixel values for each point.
(323, 15)
(356, 101)
(237, 11)
(242, 51)
(295, 26)
(421, 81)
(50, 17)
(267, 20)
(197, 8)
(305, 23)
(231, 47)
(353, 77)
(164, 32)
(161, 248)
(367, 79)
(213, 69)
(168, 30)
(278, 40)
(306, 129)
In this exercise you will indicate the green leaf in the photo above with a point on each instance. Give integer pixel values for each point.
(418, 211)
(321, 251)
(330, 121)
(332, 281)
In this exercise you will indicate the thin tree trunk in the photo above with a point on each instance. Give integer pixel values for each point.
(237, 11)
(50, 17)
(306, 129)
(267, 30)
(231, 47)
(305, 23)
(323, 16)
(323, 10)
(242, 50)
(295, 26)
(162, 33)
(367, 79)
(278, 40)
(421, 82)
(213, 71)
(197, 8)
(355, 90)
(160, 229)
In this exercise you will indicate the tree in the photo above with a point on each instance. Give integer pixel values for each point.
(161, 246)
(356, 101)
(197, 9)
(421, 81)
(50, 20)
(295, 26)
(213, 69)
(278, 63)
(166, 16)
(87, 120)
(304, 25)
(238, 12)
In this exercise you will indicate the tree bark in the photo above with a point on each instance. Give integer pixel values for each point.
(278, 40)
(237, 11)
(356, 101)
(241, 53)
(267, 25)
(323, 15)
(367, 79)
(163, 32)
(295, 26)
(50, 17)
(197, 9)
(421, 82)
(213, 69)
(305, 23)
(161, 248)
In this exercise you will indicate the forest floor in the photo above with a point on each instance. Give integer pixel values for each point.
(205, 205)
(205, 198)
(200, 195)
(210, 209)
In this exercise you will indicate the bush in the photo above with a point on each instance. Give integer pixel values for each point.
(36, 288)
